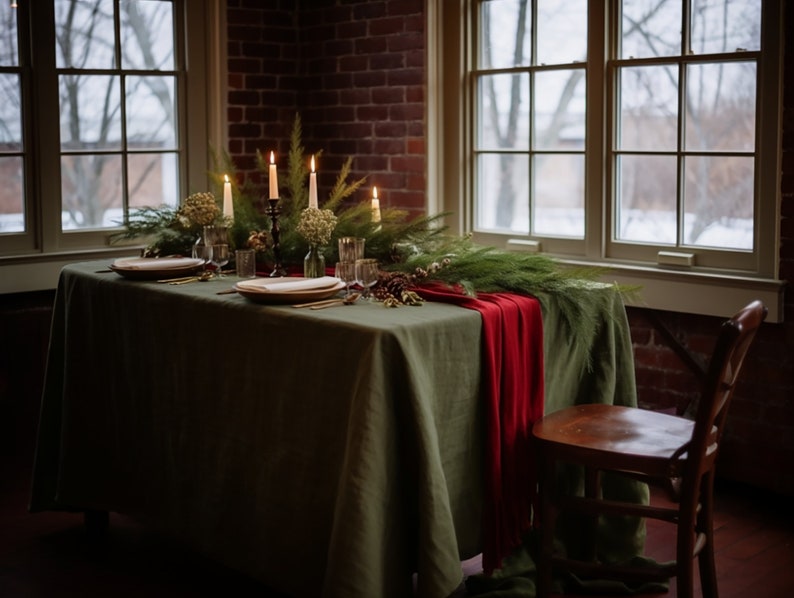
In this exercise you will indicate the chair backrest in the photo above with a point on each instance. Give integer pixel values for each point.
(731, 347)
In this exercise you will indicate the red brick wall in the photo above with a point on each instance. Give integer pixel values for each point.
(354, 69)
(263, 60)
(364, 92)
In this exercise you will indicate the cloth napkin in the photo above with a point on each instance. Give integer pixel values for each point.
(155, 263)
(513, 389)
(268, 285)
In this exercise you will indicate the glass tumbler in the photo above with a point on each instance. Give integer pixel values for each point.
(351, 249)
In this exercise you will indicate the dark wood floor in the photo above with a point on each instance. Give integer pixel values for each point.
(48, 554)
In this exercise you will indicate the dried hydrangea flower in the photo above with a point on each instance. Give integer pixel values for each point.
(199, 209)
(316, 225)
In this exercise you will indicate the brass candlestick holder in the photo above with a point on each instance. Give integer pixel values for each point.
(273, 211)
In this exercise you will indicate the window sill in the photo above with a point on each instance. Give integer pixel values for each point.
(24, 274)
(709, 294)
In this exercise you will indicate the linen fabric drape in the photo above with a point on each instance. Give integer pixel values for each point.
(513, 390)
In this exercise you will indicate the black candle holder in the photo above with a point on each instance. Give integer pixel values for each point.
(273, 211)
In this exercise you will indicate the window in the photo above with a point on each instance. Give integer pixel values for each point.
(11, 148)
(94, 121)
(529, 141)
(684, 137)
(117, 83)
(638, 134)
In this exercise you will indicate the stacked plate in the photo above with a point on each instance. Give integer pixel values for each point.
(289, 290)
(144, 268)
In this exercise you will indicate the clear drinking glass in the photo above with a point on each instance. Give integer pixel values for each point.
(346, 272)
(367, 274)
(203, 253)
(351, 249)
(245, 263)
(216, 235)
(220, 257)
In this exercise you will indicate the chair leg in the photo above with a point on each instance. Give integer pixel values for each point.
(685, 546)
(706, 565)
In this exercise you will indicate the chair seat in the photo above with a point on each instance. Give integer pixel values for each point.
(625, 434)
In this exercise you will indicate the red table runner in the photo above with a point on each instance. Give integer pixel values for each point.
(513, 389)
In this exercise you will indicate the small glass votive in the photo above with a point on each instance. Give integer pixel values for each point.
(245, 263)
(351, 249)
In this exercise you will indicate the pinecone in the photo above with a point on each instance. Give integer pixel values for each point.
(392, 289)
(390, 284)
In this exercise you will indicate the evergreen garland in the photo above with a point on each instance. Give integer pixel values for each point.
(400, 244)
(458, 262)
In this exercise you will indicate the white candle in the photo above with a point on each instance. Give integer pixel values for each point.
(313, 187)
(228, 207)
(273, 177)
(375, 205)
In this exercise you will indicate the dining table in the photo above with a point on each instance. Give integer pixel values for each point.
(325, 452)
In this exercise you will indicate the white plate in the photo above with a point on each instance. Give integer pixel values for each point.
(289, 284)
(155, 268)
(266, 290)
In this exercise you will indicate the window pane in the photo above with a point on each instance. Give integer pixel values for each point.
(503, 117)
(503, 192)
(12, 195)
(559, 195)
(721, 106)
(9, 53)
(718, 202)
(84, 34)
(151, 113)
(562, 31)
(10, 113)
(725, 26)
(559, 117)
(505, 30)
(650, 28)
(646, 210)
(90, 112)
(90, 187)
(153, 179)
(147, 35)
(648, 108)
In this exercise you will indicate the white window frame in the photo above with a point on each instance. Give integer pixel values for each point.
(32, 261)
(666, 284)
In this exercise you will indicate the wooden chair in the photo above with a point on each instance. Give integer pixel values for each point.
(653, 447)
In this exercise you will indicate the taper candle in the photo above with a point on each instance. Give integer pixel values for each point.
(313, 187)
(273, 177)
(375, 205)
(228, 206)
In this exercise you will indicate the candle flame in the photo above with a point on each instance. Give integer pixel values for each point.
(272, 158)
(375, 193)
(312, 163)
(225, 178)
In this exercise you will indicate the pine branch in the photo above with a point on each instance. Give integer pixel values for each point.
(297, 172)
(342, 189)
(457, 261)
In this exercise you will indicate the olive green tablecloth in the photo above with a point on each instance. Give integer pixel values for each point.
(325, 452)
